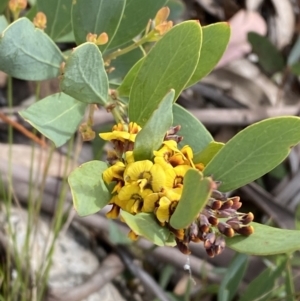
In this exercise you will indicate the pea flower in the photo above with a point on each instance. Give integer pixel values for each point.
(155, 186)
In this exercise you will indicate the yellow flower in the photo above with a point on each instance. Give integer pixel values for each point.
(119, 132)
(152, 200)
(199, 166)
(131, 198)
(114, 212)
(166, 206)
(146, 174)
(170, 156)
(114, 173)
(132, 235)
(129, 158)
(163, 155)
(188, 154)
(174, 176)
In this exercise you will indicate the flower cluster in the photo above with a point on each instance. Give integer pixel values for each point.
(156, 186)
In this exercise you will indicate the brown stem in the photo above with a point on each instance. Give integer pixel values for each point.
(23, 130)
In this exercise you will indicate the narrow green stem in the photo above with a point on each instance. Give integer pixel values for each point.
(90, 121)
(131, 47)
(32, 213)
(57, 225)
(9, 192)
(289, 282)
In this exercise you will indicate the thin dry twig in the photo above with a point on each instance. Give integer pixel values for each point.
(237, 117)
(23, 130)
(111, 267)
(141, 274)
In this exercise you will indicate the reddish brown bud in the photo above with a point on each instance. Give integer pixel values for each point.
(226, 205)
(245, 231)
(218, 195)
(213, 220)
(247, 218)
(210, 252)
(193, 231)
(236, 203)
(225, 229)
(183, 248)
(216, 205)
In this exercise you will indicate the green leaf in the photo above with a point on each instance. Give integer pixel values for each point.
(96, 16)
(215, 40)
(193, 131)
(151, 136)
(196, 191)
(56, 116)
(266, 241)
(208, 153)
(168, 65)
(125, 87)
(270, 59)
(254, 151)
(122, 64)
(136, 15)
(116, 235)
(31, 13)
(145, 224)
(88, 189)
(3, 5)
(58, 13)
(261, 288)
(84, 75)
(3, 23)
(28, 53)
(232, 278)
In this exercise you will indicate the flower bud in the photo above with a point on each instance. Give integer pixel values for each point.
(225, 229)
(40, 20)
(245, 230)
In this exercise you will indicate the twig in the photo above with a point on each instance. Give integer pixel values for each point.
(111, 267)
(270, 205)
(141, 274)
(237, 117)
(23, 130)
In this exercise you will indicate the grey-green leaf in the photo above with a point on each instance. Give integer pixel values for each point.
(56, 116)
(58, 13)
(208, 153)
(196, 191)
(3, 23)
(28, 53)
(215, 40)
(192, 130)
(151, 136)
(125, 87)
(136, 15)
(168, 65)
(96, 17)
(122, 64)
(254, 151)
(84, 75)
(266, 240)
(88, 189)
(146, 225)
